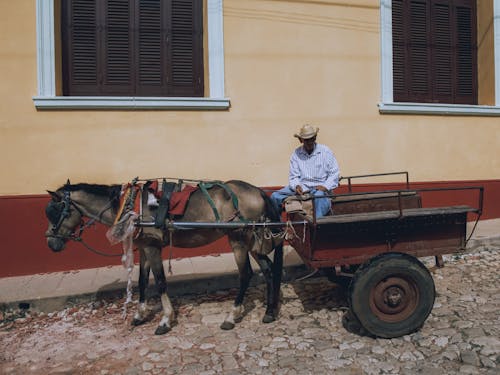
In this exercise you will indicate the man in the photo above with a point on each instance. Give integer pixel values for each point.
(313, 169)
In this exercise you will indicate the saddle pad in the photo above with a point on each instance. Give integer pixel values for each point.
(299, 203)
(179, 200)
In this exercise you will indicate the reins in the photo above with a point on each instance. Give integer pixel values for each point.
(89, 223)
(90, 248)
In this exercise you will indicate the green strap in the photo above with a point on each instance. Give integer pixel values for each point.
(204, 186)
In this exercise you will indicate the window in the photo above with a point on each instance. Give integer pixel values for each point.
(434, 51)
(50, 78)
(440, 90)
(132, 47)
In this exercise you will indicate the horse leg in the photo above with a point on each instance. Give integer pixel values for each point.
(266, 267)
(144, 268)
(277, 273)
(153, 255)
(272, 274)
(245, 272)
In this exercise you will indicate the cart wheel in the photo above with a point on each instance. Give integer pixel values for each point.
(392, 295)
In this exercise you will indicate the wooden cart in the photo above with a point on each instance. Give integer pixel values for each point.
(373, 240)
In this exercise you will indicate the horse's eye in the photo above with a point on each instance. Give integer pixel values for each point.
(53, 211)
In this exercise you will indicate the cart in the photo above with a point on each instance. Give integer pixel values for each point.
(373, 241)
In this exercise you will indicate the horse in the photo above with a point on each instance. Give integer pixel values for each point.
(71, 203)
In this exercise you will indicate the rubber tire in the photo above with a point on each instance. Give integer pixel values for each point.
(398, 266)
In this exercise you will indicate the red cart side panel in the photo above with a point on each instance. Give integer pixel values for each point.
(428, 233)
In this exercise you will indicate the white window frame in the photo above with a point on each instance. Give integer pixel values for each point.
(387, 104)
(46, 63)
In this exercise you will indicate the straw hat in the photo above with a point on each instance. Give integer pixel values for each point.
(306, 132)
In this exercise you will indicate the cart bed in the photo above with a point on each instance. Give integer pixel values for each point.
(374, 223)
(393, 214)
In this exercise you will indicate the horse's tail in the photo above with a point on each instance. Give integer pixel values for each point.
(272, 212)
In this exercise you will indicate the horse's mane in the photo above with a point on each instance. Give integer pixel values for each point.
(110, 191)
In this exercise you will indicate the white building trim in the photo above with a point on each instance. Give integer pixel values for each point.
(47, 99)
(136, 102)
(387, 104)
(45, 48)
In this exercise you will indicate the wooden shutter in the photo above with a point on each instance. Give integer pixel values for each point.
(466, 52)
(434, 51)
(133, 47)
(442, 40)
(419, 54)
(80, 47)
(185, 57)
(116, 59)
(399, 62)
(151, 24)
(411, 53)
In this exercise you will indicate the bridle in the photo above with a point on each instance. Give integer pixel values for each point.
(65, 212)
(76, 235)
(77, 232)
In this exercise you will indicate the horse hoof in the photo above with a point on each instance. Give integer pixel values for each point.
(268, 318)
(227, 325)
(161, 330)
(136, 322)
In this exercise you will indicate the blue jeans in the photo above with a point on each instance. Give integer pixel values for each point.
(322, 205)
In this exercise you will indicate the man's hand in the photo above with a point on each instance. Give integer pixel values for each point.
(322, 188)
(298, 190)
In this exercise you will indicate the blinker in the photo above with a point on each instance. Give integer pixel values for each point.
(58, 211)
(53, 211)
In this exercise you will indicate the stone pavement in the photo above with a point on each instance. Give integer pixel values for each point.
(461, 336)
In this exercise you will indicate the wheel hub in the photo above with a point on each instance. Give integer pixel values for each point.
(394, 299)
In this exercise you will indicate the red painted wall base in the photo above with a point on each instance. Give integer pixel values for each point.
(23, 224)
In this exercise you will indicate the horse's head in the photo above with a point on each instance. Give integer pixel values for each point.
(64, 217)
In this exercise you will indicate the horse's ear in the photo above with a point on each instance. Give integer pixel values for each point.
(54, 195)
(67, 182)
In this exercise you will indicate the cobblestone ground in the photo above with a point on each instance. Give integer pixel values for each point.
(462, 334)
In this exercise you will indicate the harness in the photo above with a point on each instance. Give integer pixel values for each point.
(204, 186)
(128, 204)
(132, 199)
(129, 199)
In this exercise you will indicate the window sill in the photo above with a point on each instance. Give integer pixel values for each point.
(129, 103)
(438, 109)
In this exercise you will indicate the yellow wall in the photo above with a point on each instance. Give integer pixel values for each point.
(286, 63)
(485, 58)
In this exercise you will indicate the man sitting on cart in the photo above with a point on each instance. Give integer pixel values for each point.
(313, 170)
